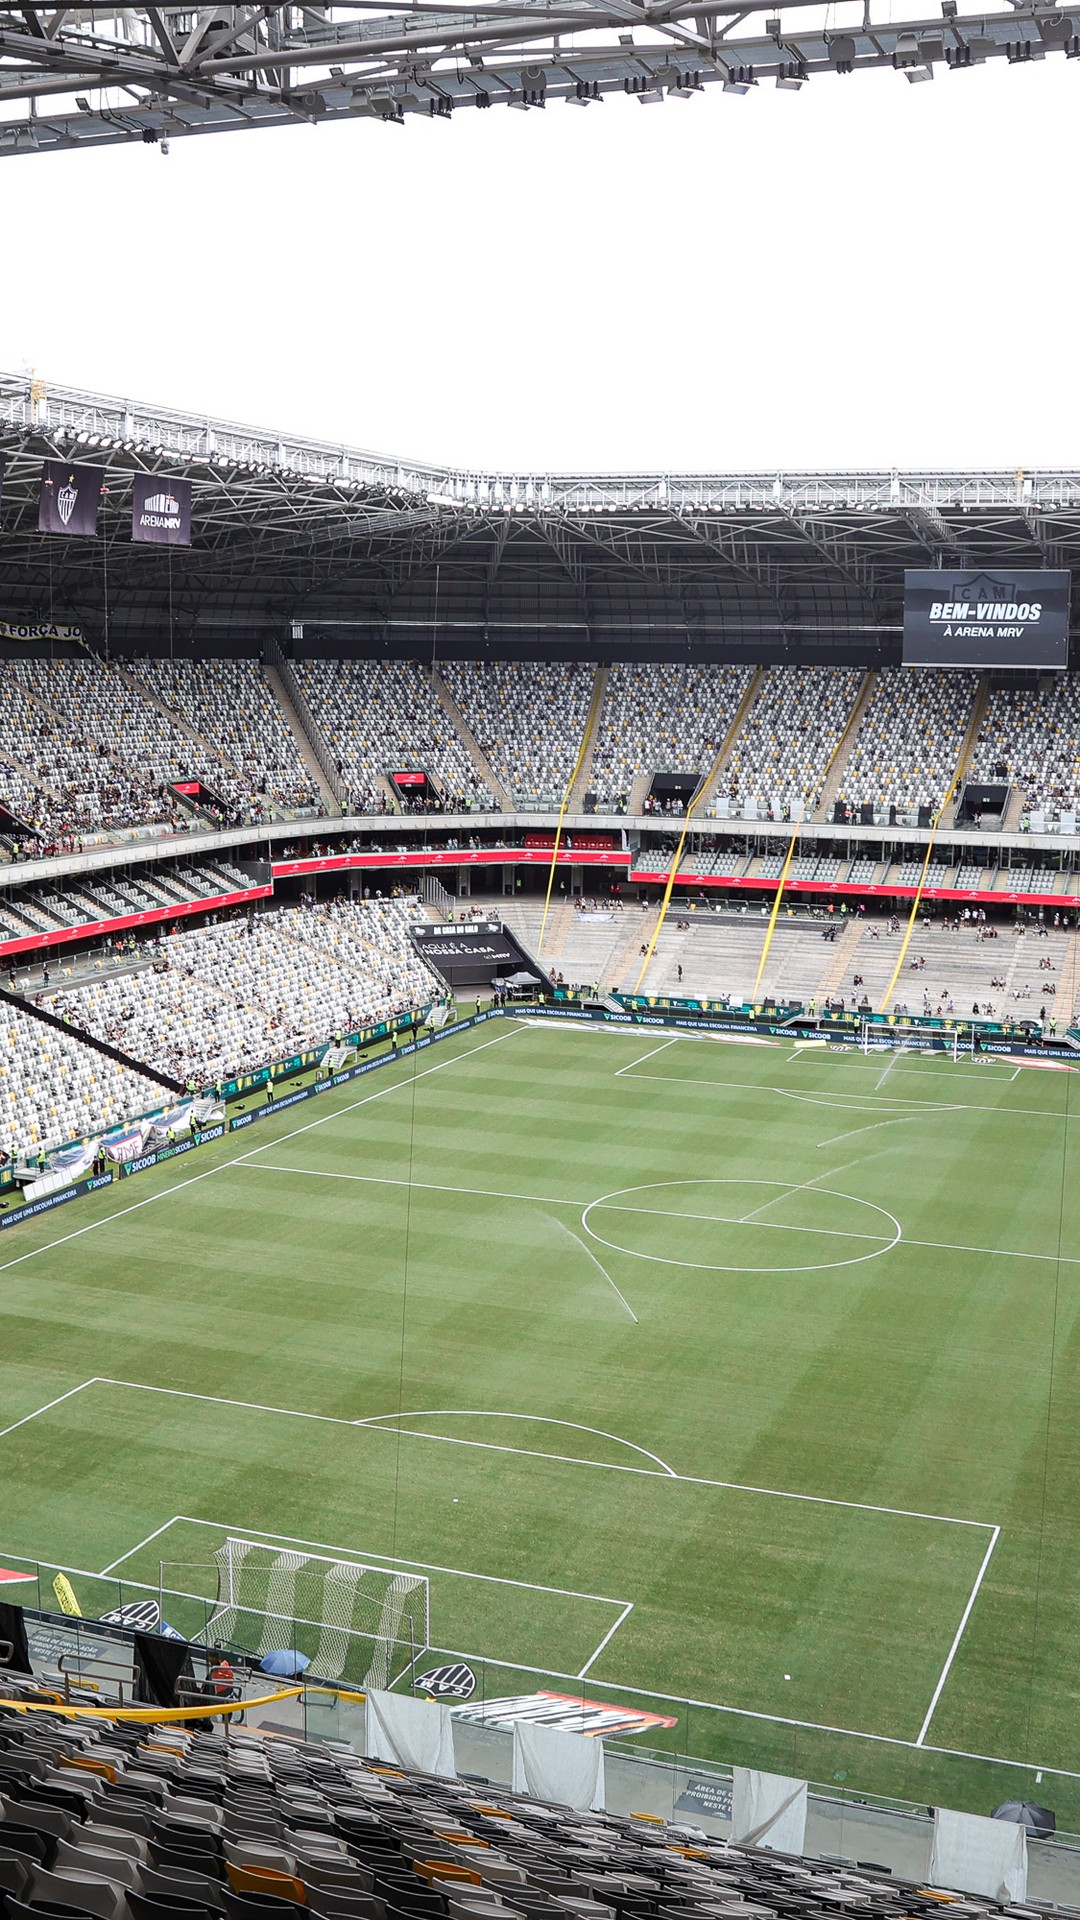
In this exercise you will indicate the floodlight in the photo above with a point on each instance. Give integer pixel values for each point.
(82, 103)
(651, 97)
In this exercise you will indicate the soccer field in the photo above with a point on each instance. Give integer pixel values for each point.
(737, 1380)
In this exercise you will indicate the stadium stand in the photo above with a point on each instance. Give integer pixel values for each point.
(1030, 736)
(529, 718)
(378, 716)
(53, 1088)
(782, 752)
(661, 717)
(231, 705)
(906, 751)
(148, 1822)
(241, 994)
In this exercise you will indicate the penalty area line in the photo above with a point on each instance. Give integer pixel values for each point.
(957, 1637)
(631, 1064)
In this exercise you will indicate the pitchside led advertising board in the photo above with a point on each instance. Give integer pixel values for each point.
(986, 617)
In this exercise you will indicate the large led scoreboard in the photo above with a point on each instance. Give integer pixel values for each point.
(989, 617)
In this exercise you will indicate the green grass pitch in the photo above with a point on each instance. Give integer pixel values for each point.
(729, 1374)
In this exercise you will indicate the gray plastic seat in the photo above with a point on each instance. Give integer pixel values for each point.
(87, 1892)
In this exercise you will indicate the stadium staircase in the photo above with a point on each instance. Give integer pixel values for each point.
(838, 763)
(841, 958)
(312, 749)
(90, 1040)
(485, 772)
(621, 970)
(967, 751)
(1068, 982)
(209, 756)
(31, 774)
(559, 921)
(576, 797)
(706, 793)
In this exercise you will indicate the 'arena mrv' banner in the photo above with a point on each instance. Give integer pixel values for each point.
(992, 617)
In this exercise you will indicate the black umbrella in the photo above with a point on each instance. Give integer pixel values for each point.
(1039, 1821)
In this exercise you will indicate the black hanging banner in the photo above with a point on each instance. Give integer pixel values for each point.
(69, 498)
(161, 510)
(13, 1635)
(3, 470)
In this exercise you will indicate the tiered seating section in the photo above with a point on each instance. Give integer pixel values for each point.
(239, 995)
(1031, 737)
(908, 746)
(143, 1823)
(529, 720)
(782, 752)
(54, 1089)
(87, 747)
(230, 705)
(661, 718)
(380, 717)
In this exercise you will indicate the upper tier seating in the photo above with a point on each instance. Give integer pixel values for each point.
(1030, 737)
(782, 752)
(229, 702)
(529, 717)
(662, 717)
(381, 716)
(908, 745)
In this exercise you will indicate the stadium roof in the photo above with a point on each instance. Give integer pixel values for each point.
(288, 529)
(78, 77)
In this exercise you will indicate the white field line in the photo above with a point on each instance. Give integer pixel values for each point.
(813, 1097)
(958, 1636)
(132, 1551)
(4, 1431)
(720, 1219)
(423, 1186)
(662, 1048)
(608, 1637)
(684, 1700)
(364, 1558)
(486, 1413)
(895, 1120)
(178, 1187)
(517, 1666)
(659, 1472)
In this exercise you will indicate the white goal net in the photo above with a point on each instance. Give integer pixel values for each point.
(347, 1617)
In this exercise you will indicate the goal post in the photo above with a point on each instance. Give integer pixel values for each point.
(345, 1615)
(905, 1036)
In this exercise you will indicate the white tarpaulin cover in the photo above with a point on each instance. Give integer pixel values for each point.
(553, 1765)
(768, 1810)
(972, 1854)
(410, 1733)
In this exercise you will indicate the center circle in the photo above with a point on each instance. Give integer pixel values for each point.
(800, 1219)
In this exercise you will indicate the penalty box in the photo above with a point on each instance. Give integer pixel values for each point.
(527, 1534)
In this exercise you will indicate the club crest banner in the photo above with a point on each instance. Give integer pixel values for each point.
(69, 498)
(161, 510)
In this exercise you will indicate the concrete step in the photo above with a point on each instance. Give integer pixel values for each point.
(485, 772)
(303, 743)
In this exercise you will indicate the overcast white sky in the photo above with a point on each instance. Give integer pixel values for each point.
(865, 273)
